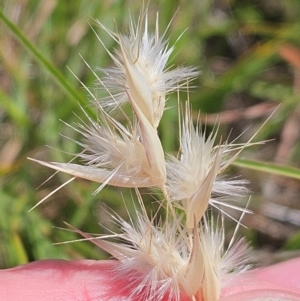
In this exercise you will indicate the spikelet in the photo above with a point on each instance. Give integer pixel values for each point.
(220, 264)
(140, 74)
(161, 257)
(192, 177)
(112, 154)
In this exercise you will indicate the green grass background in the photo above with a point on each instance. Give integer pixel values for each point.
(246, 52)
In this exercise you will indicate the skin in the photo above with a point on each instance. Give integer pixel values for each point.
(87, 280)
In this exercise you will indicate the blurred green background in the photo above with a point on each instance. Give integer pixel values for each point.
(248, 54)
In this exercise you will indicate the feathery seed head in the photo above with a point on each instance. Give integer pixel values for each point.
(116, 156)
(160, 255)
(167, 258)
(170, 256)
(112, 155)
(140, 73)
(220, 265)
(193, 178)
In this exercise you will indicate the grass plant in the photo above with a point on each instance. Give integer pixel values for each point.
(248, 55)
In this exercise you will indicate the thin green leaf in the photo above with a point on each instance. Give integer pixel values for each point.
(272, 168)
(293, 242)
(19, 248)
(56, 74)
(13, 110)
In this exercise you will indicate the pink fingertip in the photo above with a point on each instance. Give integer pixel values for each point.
(263, 295)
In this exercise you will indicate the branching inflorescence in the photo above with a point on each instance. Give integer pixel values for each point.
(185, 252)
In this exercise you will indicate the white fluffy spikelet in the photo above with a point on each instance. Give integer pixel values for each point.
(186, 251)
(194, 177)
(160, 260)
(220, 264)
(112, 154)
(141, 69)
(115, 155)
